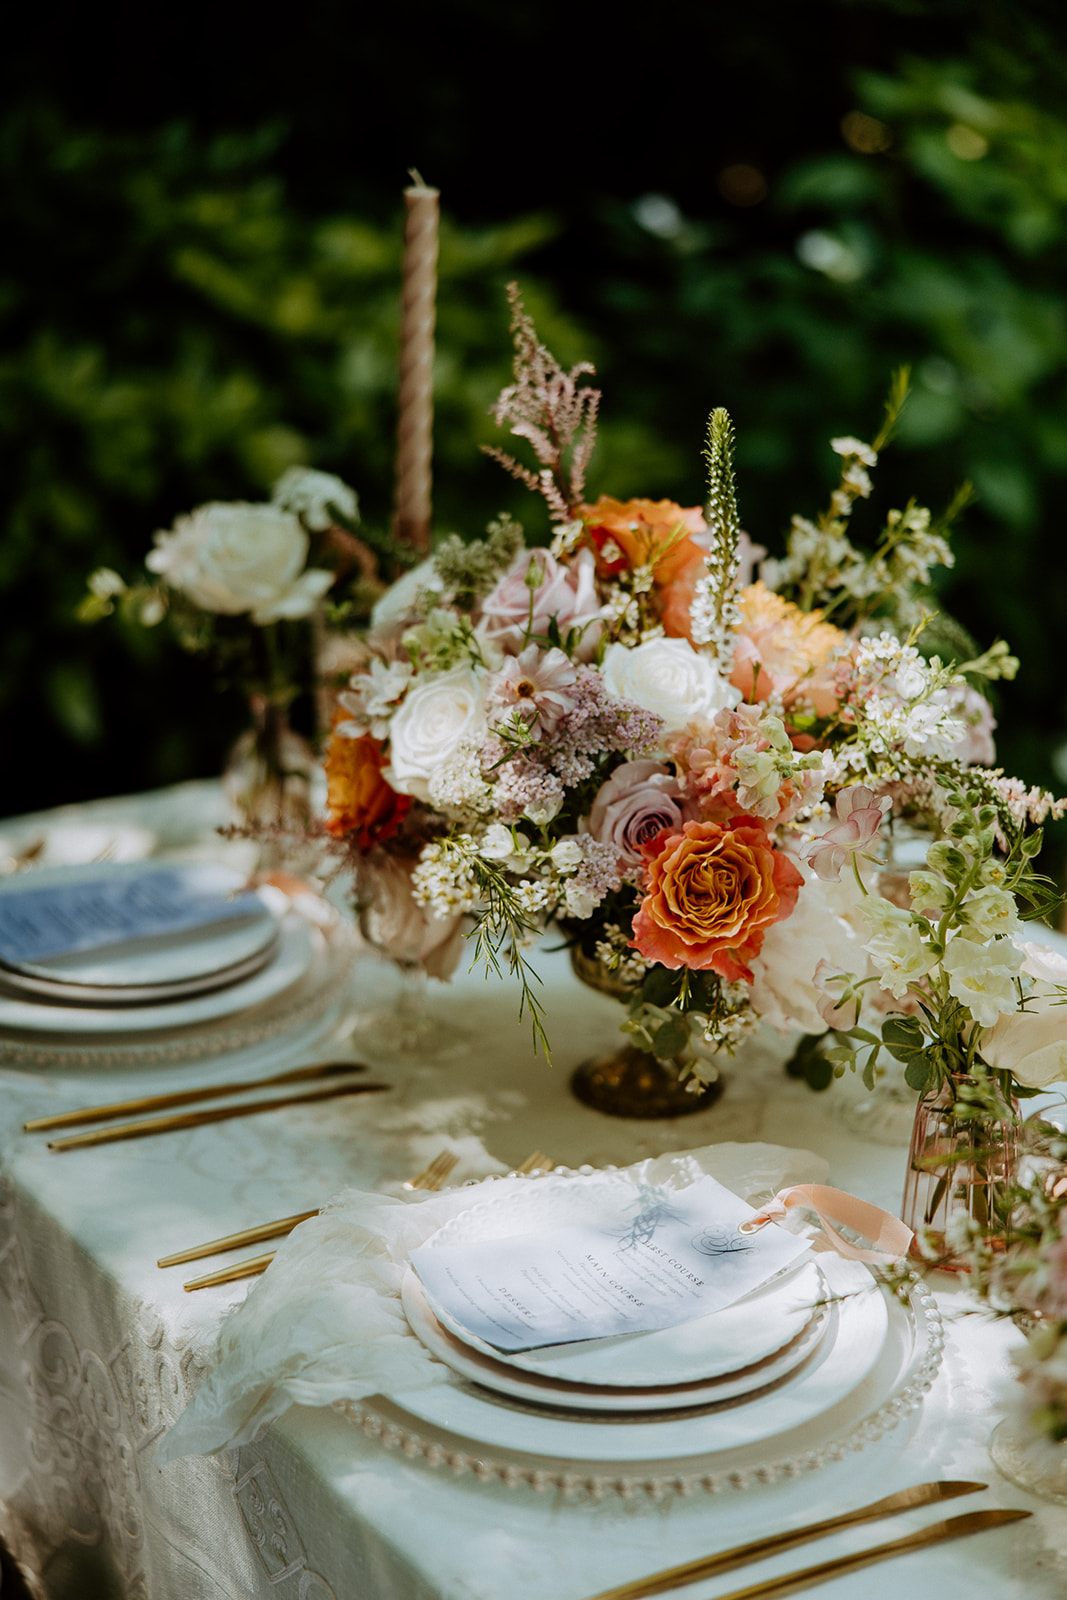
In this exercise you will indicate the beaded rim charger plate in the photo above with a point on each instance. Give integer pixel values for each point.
(314, 985)
(466, 1430)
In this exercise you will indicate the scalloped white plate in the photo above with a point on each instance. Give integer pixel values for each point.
(481, 1366)
(696, 1351)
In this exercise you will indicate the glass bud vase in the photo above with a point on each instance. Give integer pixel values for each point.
(267, 783)
(629, 1081)
(955, 1164)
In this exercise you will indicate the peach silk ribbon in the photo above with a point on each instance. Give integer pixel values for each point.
(890, 1237)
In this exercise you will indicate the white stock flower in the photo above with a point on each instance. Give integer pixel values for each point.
(372, 697)
(668, 677)
(310, 494)
(437, 716)
(567, 854)
(990, 911)
(895, 946)
(236, 558)
(982, 976)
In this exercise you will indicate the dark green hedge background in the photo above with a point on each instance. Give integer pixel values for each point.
(766, 207)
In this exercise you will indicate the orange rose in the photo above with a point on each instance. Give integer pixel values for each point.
(645, 531)
(656, 533)
(713, 890)
(358, 799)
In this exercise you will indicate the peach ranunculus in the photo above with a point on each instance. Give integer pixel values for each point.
(712, 891)
(359, 802)
(785, 651)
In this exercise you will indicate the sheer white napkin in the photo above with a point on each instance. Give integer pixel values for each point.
(325, 1322)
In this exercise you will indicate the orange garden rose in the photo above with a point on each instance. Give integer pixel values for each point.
(652, 533)
(713, 890)
(358, 799)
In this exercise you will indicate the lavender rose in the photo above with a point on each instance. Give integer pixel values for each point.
(639, 800)
(566, 593)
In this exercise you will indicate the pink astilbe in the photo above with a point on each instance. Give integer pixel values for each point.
(860, 812)
(546, 406)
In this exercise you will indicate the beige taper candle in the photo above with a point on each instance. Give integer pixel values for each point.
(414, 454)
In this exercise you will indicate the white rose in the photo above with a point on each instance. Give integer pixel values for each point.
(398, 603)
(311, 494)
(438, 714)
(667, 676)
(234, 558)
(1032, 1044)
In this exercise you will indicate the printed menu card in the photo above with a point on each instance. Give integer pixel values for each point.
(116, 904)
(652, 1258)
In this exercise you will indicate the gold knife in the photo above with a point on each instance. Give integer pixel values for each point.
(197, 1119)
(921, 1494)
(187, 1097)
(936, 1533)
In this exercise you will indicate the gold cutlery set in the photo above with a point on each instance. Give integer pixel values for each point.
(146, 1126)
(434, 1176)
(923, 1494)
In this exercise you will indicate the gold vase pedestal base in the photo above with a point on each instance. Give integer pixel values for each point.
(631, 1083)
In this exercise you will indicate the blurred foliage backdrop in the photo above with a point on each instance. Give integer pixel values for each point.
(766, 207)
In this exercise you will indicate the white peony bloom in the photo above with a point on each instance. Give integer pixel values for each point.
(667, 676)
(315, 496)
(236, 558)
(784, 991)
(982, 976)
(1032, 1044)
(437, 716)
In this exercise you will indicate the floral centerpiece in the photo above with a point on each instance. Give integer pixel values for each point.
(688, 762)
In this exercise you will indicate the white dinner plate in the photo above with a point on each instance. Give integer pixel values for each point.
(858, 1324)
(481, 1365)
(233, 925)
(289, 963)
(703, 1348)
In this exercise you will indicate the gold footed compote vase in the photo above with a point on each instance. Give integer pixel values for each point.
(629, 1081)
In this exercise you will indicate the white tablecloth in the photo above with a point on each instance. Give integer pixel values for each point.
(99, 1349)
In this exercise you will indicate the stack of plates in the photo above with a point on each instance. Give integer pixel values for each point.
(115, 954)
(817, 1361)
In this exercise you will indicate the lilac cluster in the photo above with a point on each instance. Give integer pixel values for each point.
(599, 723)
(526, 786)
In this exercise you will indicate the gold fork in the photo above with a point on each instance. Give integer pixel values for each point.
(437, 1173)
(434, 1176)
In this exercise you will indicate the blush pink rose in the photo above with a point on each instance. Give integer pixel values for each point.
(639, 801)
(566, 593)
(712, 891)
